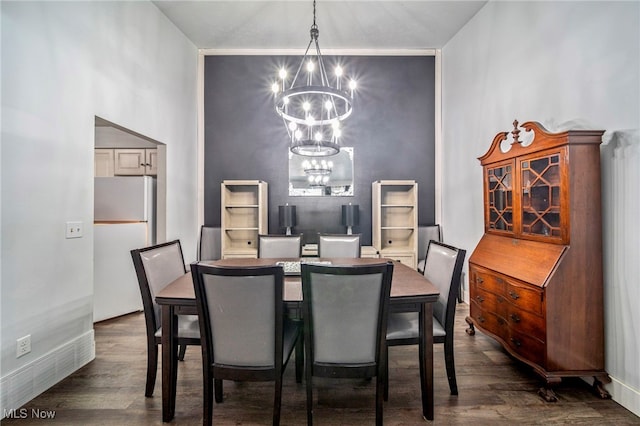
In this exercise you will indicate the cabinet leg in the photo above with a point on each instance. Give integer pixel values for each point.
(548, 394)
(599, 390)
(471, 331)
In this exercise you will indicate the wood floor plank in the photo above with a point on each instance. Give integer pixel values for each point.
(494, 390)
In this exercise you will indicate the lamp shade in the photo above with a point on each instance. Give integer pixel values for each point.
(350, 215)
(287, 216)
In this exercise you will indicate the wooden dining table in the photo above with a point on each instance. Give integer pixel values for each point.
(410, 292)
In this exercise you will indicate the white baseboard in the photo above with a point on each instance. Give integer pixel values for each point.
(22, 385)
(628, 397)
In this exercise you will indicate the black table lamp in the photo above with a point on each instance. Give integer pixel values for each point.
(287, 217)
(350, 216)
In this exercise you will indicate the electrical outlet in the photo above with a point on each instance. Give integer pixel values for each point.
(23, 346)
(74, 230)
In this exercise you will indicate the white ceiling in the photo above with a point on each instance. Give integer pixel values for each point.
(343, 24)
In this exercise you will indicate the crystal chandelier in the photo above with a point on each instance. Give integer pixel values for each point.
(311, 108)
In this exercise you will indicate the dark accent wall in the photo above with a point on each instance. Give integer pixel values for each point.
(391, 130)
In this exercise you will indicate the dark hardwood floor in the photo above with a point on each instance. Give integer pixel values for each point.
(494, 390)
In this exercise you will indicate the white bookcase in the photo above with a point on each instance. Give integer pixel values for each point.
(395, 220)
(243, 217)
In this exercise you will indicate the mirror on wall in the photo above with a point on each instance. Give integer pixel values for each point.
(321, 176)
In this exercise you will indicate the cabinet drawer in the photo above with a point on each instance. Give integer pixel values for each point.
(488, 301)
(487, 280)
(524, 296)
(489, 321)
(528, 347)
(525, 323)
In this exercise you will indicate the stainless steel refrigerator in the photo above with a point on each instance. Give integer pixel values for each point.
(124, 219)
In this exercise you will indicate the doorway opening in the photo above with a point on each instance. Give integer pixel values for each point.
(129, 213)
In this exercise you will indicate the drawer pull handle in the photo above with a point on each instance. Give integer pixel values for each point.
(480, 318)
(479, 280)
(515, 318)
(514, 295)
(499, 280)
(516, 342)
(480, 299)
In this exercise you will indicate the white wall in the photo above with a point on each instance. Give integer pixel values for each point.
(551, 62)
(62, 64)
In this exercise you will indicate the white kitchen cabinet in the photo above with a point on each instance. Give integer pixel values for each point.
(125, 162)
(103, 162)
(134, 161)
(151, 163)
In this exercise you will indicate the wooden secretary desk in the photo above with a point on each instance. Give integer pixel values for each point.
(535, 278)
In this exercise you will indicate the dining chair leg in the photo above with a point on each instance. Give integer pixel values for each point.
(309, 386)
(181, 352)
(152, 368)
(207, 395)
(421, 355)
(386, 381)
(277, 400)
(450, 366)
(217, 383)
(299, 358)
(379, 399)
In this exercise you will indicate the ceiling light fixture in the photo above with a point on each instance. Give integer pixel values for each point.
(311, 108)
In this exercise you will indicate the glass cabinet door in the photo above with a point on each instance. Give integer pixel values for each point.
(541, 200)
(500, 193)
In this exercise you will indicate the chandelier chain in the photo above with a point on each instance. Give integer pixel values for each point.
(314, 14)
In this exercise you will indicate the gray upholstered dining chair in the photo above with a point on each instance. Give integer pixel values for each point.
(280, 246)
(339, 245)
(209, 247)
(332, 297)
(156, 266)
(245, 334)
(443, 267)
(426, 233)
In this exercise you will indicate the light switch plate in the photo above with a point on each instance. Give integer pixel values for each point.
(74, 230)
